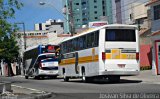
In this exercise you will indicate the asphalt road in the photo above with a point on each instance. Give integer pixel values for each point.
(98, 89)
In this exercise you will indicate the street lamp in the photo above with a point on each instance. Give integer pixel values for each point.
(69, 22)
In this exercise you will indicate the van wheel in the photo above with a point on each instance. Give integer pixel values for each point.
(66, 79)
(26, 77)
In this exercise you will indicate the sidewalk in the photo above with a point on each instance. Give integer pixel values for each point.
(19, 92)
(146, 76)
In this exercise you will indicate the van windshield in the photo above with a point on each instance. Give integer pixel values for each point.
(47, 57)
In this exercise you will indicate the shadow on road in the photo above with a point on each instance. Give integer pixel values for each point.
(122, 81)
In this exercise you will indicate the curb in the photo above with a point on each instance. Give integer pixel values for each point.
(43, 96)
(5, 86)
(38, 94)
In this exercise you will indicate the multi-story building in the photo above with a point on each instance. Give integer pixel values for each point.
(51, 25)
(81, 12)
(155, 30)
(129, 11)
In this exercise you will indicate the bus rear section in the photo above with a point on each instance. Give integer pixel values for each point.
(47, 65)
(120, 53)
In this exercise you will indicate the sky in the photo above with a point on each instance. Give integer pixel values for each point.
(32, 12)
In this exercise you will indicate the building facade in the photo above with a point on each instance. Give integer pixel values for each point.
(81, 12)
(51, 25)
(155, 29)
(128, 11)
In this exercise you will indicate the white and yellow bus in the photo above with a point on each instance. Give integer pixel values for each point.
(109, 52)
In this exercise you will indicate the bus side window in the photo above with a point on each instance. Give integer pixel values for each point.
(90, 40)
(96, 39)
(75, 44)
(80, 43)
(68, 47)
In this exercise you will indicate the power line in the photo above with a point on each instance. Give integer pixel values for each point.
(127, 9)
(126, 4)
(114, 15)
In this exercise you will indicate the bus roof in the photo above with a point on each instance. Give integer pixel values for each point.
(95, 29)
(46, 54)
(33, 47)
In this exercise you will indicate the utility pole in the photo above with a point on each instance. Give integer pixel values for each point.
(71, 18)
(24, 48)
(24, 34)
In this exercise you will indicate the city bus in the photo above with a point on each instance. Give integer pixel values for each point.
(106, 52)
(41, 61)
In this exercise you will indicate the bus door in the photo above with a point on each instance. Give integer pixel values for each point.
(76, 63)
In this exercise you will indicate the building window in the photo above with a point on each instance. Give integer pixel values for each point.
(95, 12)
(103, 7)
(83, 3)
(156, 12)
(77, 3)
(104, 13)
(85, 19)
(78, 20)
(95, 1)
(84, 14)
(96, 17)
(103, 2)
(95, 6)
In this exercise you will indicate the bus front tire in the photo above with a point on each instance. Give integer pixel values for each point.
(66, 79)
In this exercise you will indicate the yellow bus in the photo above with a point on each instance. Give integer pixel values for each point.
(107, 52)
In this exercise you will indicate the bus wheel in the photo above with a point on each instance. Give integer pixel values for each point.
(26, 77)
(114, 79)
(86, 79)
(83, 77)
(66, 79)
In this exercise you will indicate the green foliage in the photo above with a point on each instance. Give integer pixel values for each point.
(8, 44)
(10, 49)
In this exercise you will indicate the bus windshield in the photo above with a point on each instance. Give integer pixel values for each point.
(126, 35)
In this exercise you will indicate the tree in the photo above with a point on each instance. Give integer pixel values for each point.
(8, 44)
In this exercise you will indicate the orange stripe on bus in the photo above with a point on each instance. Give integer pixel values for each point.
(81, 60)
